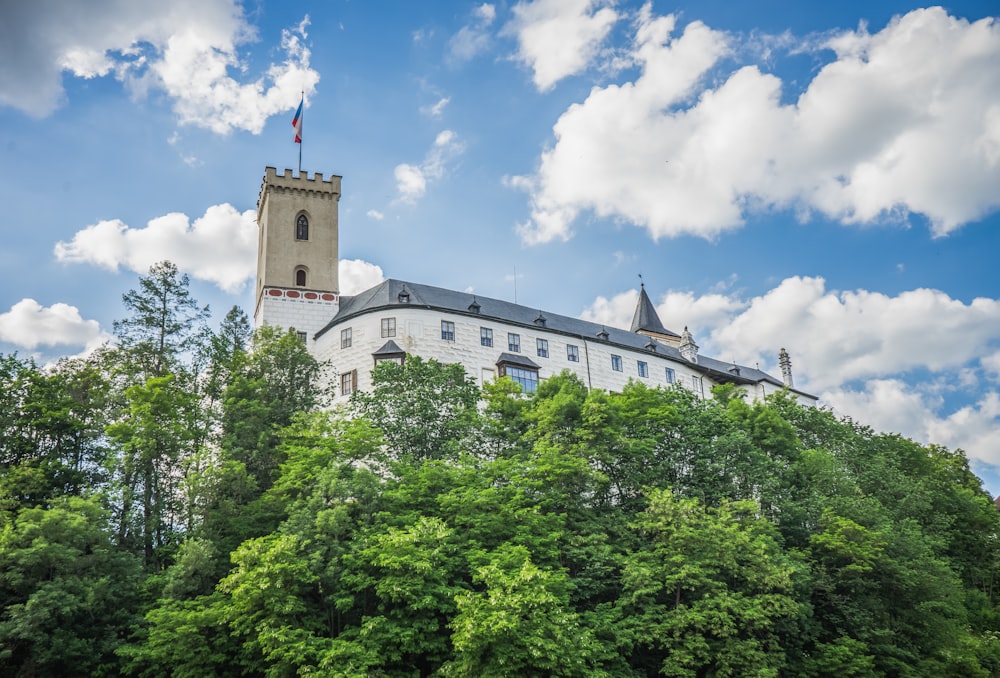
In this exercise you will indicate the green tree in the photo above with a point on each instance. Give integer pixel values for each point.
(67, 594)
(163, 323)
(153, 435)
(708, 592)
(519, 623)
(423, 409)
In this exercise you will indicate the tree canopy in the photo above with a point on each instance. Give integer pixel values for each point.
(205, 514)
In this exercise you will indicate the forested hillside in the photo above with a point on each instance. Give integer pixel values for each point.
(182, 504)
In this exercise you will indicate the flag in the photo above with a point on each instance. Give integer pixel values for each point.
(297, 122)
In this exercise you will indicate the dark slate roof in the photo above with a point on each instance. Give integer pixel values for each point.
(386, 294)
(646, 318)
(517, 359)
(389, 348)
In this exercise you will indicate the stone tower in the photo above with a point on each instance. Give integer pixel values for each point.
(297, 276)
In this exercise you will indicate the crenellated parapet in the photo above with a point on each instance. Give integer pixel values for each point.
(298, 184)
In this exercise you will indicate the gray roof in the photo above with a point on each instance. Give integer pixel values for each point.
(386, 295)
(646, 318)
(389, 348)
(517, 359)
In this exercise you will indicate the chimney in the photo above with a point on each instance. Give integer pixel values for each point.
(688, 349)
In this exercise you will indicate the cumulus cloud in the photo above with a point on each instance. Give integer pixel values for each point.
(357, 275)
(559, 38)
(219, 247)
(187, 49)
(887, 361)
(902, 121)
(474, 38)
(894, 406)
(28, 324)
(411, 180)
(375, 214)
(860, 334)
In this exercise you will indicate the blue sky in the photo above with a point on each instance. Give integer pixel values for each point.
(820, 177)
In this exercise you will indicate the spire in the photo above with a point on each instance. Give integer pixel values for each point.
(785, 363)
(645, 320)
(689, 349)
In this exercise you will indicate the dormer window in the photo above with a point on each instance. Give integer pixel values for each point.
(403, 297)
(302, 227)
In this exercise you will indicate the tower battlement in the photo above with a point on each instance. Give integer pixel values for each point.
(288, 181)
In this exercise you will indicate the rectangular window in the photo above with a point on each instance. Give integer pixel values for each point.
(543, 347)
(526, 377)
(643, 369)
(348, 382)
(616, 363)
(698, 386)
(388, 327)
(345, 338)
(572, 353)
(485, 336)
(513, 342)
(301, 336)
(447, 330)
(671, 375)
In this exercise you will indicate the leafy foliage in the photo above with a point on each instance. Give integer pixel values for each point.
(183, 505)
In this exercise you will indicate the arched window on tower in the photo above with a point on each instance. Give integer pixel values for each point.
(300, 277)
(302, 227)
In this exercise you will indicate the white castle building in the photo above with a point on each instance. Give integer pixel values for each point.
(298, 288)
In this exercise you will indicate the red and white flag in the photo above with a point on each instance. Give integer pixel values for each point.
(297, 122)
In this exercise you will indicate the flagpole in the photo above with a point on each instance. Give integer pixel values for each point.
(300, 130)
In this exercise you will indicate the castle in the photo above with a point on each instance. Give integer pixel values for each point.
(298, 288)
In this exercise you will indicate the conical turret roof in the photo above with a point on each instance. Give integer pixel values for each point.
(646, 320)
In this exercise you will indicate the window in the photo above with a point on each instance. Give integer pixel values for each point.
(388, 327)
(348, 382)
(486, 336)
(447, 330)
(300, 277)
(345, 338)
(572, 353)
(643, 369)
(542, 346)
(526, 377)
(301, 336)
(698, 386)
(671, 375)
(513, 342)
(302, 228)
(616, 363)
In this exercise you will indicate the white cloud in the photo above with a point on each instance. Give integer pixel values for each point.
(894, 406)
(843, 336)
(188, 49)
(906, 120)
(559, 38)
(435, 110)
(473, 39)
(220, 246)
(375, 214)
(357, 276)
(29, 324)
(411, 180)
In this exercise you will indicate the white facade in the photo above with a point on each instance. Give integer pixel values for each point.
(418, 331)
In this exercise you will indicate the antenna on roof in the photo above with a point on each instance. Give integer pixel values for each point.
(641, 283)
